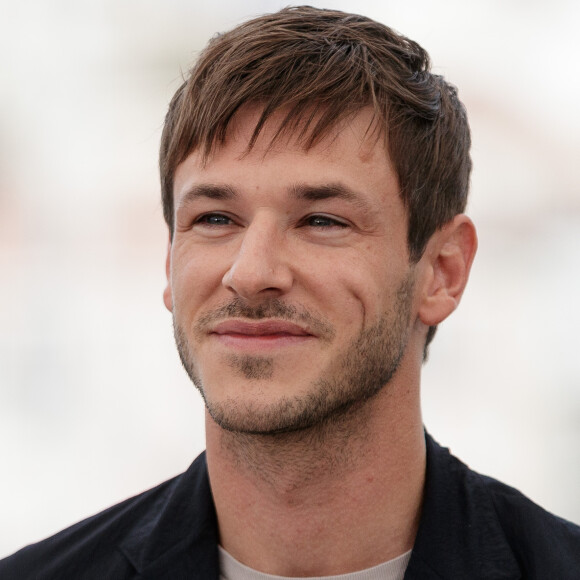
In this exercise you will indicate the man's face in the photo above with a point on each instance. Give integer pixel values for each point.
(289, 278)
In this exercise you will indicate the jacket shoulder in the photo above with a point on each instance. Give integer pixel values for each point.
(473, 526)
(91, 548)
(542, 542)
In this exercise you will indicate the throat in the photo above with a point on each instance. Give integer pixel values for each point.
(301, 458)
(284, 501)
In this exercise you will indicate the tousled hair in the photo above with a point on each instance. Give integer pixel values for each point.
(321, 67)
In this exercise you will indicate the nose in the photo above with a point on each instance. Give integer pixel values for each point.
(259, 268)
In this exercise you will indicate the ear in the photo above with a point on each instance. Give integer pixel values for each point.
(167, 293)
(449, 255)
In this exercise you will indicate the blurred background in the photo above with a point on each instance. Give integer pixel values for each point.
(94, 405)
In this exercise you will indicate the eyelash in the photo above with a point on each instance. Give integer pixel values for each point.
(310, 220)
(205, 219)
(330, 221)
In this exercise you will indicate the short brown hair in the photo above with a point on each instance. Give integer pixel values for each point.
(323, 66)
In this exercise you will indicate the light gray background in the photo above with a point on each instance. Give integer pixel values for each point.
(94, 406)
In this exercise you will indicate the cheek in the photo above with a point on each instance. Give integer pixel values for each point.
(365, 291)
(345, 292)
(195, 276)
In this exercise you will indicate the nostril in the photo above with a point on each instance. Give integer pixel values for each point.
(250, 282)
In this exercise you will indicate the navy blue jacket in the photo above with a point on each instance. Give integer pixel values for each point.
(472, 528)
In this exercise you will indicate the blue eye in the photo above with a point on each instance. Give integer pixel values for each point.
(323, 221)
(214, 219)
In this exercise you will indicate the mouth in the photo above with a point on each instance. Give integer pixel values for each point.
(260, 334)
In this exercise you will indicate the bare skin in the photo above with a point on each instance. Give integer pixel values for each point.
(350, 500)
(284, 264)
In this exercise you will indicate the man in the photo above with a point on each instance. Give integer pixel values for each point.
(314, 177)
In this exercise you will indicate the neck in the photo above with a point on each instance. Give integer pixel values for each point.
(333, 499)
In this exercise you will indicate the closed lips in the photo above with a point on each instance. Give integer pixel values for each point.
(256, 329)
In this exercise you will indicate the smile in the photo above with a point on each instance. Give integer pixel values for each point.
(259, 335)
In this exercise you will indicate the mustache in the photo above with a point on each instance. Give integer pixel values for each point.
(272, 308)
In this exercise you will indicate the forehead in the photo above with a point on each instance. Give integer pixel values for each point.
(353, 151)
(360, 133)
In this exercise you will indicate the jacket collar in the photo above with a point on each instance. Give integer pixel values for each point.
(459, 533)
(180, 533)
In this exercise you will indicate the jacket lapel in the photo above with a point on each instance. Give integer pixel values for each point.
(178, 538)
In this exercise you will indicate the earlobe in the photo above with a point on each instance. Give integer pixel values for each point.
(449, 254)
(167, 292)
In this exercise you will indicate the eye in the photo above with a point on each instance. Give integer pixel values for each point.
(214, 224)
(323, 221)
(214, 219)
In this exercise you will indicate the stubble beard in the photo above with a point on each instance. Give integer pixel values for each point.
(360, 372)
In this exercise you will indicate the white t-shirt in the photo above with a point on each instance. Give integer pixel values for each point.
(231, 569)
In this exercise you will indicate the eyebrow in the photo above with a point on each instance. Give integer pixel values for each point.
(308, 192)
(301, 191)
(208, 191)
